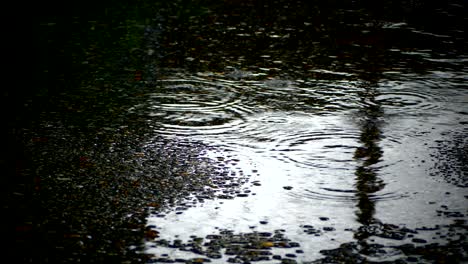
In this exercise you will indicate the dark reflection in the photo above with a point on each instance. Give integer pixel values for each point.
(369, 154)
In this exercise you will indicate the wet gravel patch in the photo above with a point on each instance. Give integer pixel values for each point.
(233, 247)
(191, 174)
(90, 194)
(356, 252)
(451, 157)
(376, 242)
(369, 249)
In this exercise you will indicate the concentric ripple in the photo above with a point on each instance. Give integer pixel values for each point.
(345, 195)
(320, 149)
(195, 106)
(406, 100)
(412, 97)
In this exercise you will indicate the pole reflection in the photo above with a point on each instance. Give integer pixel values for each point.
(368, 154)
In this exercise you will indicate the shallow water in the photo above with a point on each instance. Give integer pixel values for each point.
(312, 148)
(249, 131)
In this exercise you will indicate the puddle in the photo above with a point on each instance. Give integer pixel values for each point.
(324, 178)
(245, 131)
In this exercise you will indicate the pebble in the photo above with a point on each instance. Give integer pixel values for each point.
(214, 255)
(256, 183)
(166, 260)
(419, 240)
(287, 187)
(294, 244)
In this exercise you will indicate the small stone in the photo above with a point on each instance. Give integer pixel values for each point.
(290, 255)
(312, 232)
(214, 255)
(227, 197)
(164, 260)
(263, 222)
(260, 258)
(287, 187)
(288, 261)
(267, 244)
(294, 244)
(419, 240)
(324, 218)
(151, 234)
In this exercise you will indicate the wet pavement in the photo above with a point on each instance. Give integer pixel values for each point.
(244, 131)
